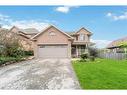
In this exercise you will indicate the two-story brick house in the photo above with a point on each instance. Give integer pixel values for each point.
(52, 43)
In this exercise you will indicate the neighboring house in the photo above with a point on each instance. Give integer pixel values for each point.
(24, 36)
(2, 29)
(30, 32)
(3, 32)
(54, 43)
(115, 47)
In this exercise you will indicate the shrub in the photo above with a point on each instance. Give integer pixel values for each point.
(18, 59)
(84, 56)
(13, 49)
(11, 46)
(1, 50)
(92, 58)
(15, 52)
(82, 60)
(4, 60)
(29, 53)
(93, 51)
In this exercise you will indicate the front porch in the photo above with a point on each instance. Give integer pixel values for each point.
(77, 50)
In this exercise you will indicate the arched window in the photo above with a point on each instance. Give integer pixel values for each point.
(52, 33)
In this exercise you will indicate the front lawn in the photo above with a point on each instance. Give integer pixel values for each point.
(102, 74)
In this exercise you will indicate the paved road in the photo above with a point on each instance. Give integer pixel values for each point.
(39, 74)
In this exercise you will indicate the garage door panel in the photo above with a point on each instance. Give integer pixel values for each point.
(52, 51)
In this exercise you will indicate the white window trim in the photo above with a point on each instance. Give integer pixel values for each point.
(82, 37)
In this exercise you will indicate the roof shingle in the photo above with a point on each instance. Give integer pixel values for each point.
(115, 43)
(30, 31)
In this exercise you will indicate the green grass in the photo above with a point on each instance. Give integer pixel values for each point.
(102, 74)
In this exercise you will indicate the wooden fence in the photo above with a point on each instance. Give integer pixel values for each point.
(111, 55)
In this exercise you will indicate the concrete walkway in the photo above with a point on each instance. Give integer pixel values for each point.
(39, 74)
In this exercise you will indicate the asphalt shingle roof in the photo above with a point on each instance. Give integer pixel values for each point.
(115, 43)
(70, 33)
(30, 30)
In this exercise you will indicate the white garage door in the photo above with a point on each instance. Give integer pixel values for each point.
(52, 51)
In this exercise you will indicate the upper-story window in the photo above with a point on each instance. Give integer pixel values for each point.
(82, 37)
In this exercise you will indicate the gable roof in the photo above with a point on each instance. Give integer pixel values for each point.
(50, 26)
(71, 33)
(14, 27)
(24, 35)
(21, 33)
(85, 30)
(25, 31)
(75, 33)
(30, 31)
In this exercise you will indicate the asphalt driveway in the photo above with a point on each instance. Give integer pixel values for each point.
(39, 74)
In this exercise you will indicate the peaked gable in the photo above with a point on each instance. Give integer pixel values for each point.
(84, 30)
(47, 28)
(14, 29)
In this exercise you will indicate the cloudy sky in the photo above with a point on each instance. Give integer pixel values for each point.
(107, 23)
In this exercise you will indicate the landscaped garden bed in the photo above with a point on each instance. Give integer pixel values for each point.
(101, 74)
(9, 60)
(11, 48)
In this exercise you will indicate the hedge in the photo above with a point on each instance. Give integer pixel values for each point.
(4, 60)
